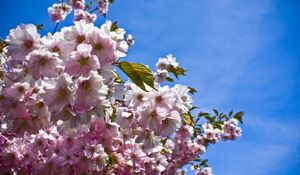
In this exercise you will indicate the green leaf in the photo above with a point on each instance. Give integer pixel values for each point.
(111, 158)
(114, 114)
(193, 108)
(88, 5)
(165, 150)
(169, 79)
(239, 116)
(111, 1)
(114, 26)
(211, 119)
(177, 71)
(145, 73)
(138, 73)
(202, 114)
(219, 125)
(39, 27)
(163, 141)
(192, 90)
(216, 112)
(230, 113)
(204, 163)
(188, 119)
(118, 78)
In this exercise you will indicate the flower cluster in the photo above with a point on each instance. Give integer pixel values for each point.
(59, 12)
(65, 110)
(231, 130)
(103, 6)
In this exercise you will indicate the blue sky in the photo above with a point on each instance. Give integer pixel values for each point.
(241, 55)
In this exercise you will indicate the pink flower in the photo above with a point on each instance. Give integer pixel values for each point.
(148, 139)
(126, 118)
(152, 118)
(94, 150)
(61, 95)
(135, 96)
(163, 97)
(170, 124)
(55, 43)
(43, 63)
(17, 90)
(78, 34)
(22, 40)
(81, 62)
(84, 15)
(183, 99)
(160, 76)
(134, 156)
(13, 108)
(166, 63)
(78, 4)
(204, 171)
(58, 12)
(118, 36)
(103, 6)
(90, 91)
(231, 130)
(103, 46)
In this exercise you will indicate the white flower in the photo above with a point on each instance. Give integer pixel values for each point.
(183, 99)
(58, 12)
(103, 47)
(151, 117)
(80, 14)
(135, 96)
(90, 91)
(57, 44)
(166, 63)
(81, 62)
(130, 40)
(59, 96)
(170, 124)
(78, 33)
(118, 36)
(148, 139)
(160, 76)
(17, 90)
(43, 63)
(163, 97)
(204, 171)
(22, 40)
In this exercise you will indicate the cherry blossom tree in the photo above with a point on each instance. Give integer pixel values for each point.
(65, 110)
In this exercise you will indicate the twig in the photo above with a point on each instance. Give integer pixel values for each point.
(55, 27)
(94, 10)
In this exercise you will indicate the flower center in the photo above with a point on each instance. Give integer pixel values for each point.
(152, 114)
(140, 97)
(98, 47)
(21, 89)
(56, 49)
(83, 61)
(158, 99)
(43, 61)
(2, 74)
(28, 44)
(80, 39)
(62, 93)
(40, 105)
(85, 85)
